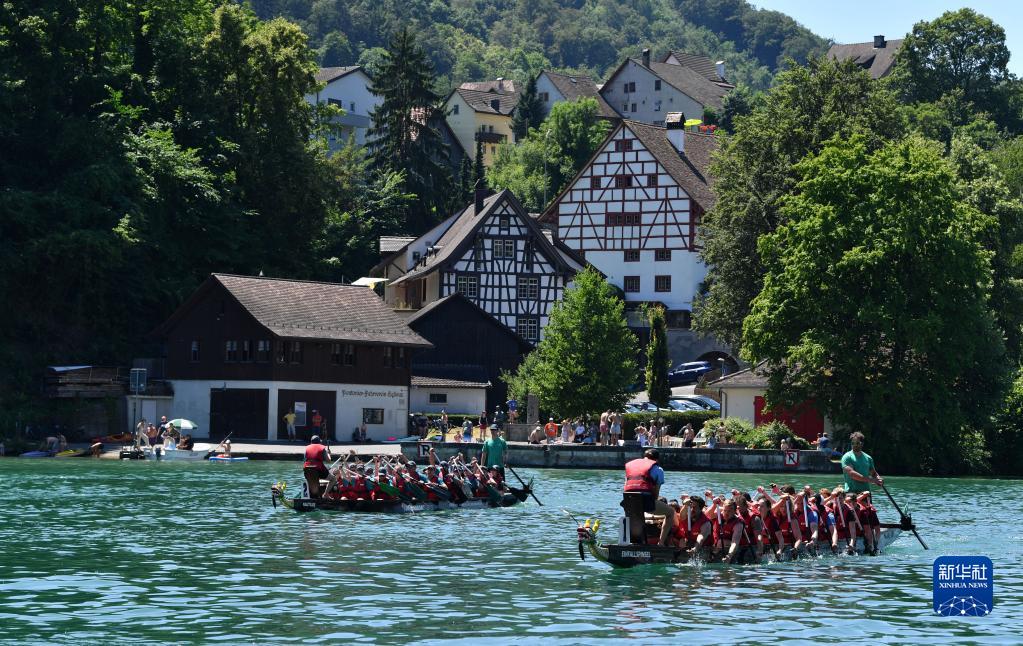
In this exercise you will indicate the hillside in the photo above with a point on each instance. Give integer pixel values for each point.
(479, 39)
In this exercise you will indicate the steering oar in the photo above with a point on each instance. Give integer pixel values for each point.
(524, 485)
(904, 519)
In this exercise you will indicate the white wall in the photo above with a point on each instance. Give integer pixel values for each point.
(651, 104)
(543, 84)
(685, 268)
(460, 400)
(148, 408)
(350, 88)
(738, 402)
(192, 401)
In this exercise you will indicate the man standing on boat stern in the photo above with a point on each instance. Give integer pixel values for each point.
(315, 467)
(644, 476)
(858, 467)
(494, 450)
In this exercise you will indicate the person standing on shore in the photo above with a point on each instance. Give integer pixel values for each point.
(858, 467)
(289, 421)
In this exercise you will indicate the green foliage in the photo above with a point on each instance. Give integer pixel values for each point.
(675, 420)
(540, 165)
(878, 272)
(657, 360)
(755, 170)
(765, 436)
(737, 104)
(584, 362)
(1004, 437)
(528, 111)
(403, 138)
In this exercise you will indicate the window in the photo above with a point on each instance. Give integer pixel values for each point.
(246, 351)
(528, 328)
(399, 358)
(662, 254)
(657, 106)
(372, 415)
(295, 351)
(529, 287)
(477, 251)
(491, 128)
(630, 87)
(545, 97)
(281, 351)
(623, 145)
(388, 356)
(262, 351)
(657, 85)
(594, 183)
(651, 180)
(348, 354)
(467, 286)
(623, 219)
(623, 181)
(352, 104)
(454, 109)
(335, 354)
(195, 351)
(631, 284)
(632, 255)
(230, 351)
(493, 150)
(504, 249)
(633, 107)
(625, 107)
(504, 223)
(438, 398)
(662, 283)
(528, 253)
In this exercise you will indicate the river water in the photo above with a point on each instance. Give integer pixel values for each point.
(99, 551)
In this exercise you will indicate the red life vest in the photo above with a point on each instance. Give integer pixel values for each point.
(694, 523)
(637, 476)
(314, 456)
(359, 488)
(723, 530)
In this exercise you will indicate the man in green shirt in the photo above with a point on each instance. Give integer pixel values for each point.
(858, 467)
(494, 450)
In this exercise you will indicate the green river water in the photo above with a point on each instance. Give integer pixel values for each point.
(97, 552)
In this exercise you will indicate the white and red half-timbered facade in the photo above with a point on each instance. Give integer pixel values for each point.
(495, 255)
(634, 210)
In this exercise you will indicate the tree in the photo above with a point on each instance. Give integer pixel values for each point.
(960, 50)
(876, 275)
(1005, 436)
(657, 360)
(528, 111)
(754, 171)
(736, 104)
(585, 361)
(402, 138)
(479, 170)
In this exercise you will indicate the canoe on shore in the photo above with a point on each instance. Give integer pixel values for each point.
(513, 497)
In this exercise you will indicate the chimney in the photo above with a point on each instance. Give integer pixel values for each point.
(880, 42)
(675, 130)
(495, 104)
(646, 57)
(720, 65)
(500, 83)
(479, 194)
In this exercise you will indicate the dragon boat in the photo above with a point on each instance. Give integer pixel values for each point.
(510, 498)
(639, 533)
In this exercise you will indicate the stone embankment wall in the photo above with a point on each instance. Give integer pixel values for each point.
(607, 457)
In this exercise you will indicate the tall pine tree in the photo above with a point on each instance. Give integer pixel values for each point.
(528, 111)
(402, 138)
(479, 171)
(657, 360)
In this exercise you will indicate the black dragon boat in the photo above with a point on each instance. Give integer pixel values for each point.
(512, 497)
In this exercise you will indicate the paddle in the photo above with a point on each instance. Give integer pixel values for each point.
(903, 517)
(214, 449)
(524, 485)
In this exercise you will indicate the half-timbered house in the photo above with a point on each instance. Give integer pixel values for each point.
(495, 255)
(243, 351)
(633, 212)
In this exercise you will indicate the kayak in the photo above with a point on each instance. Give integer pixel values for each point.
(224, 458)
(37, 454)
(71, 453)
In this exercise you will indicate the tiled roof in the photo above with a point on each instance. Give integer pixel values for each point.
(692, 83)
(481, 101)
(328, 74)
(441, 382)
(699, 64)
(749, 378)
(390, 244)
(452, 299)
(692, 169)
(877, 61)
(506, 86)
(575, 87)
(301, 309)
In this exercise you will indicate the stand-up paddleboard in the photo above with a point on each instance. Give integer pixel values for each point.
(224, 458)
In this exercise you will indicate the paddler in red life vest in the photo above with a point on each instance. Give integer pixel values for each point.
(644, 476)
(869, 521)
(314, 468)
(696, 524)
(731, 536)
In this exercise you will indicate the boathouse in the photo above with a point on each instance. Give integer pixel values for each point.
(243, 351)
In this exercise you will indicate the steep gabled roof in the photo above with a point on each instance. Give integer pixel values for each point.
(482, 101)
(506, 86)
(699, 64)
(311, 310)
(692, 83)
(575, 87)
(328, 74)
(459, 237)
(390, 244)
(876, 60)
(753, 377)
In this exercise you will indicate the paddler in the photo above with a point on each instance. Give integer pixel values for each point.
(315, 467)
(644, 476)
(858, 467)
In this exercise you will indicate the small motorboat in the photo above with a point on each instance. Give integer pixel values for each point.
(160, 453)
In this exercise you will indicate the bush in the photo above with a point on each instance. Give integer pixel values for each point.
(675, 420)
(766, 436)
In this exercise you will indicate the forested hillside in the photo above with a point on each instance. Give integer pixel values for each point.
(479, 39)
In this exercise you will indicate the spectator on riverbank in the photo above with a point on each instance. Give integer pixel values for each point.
(536, 437)
(467, 430)
(784, 444)
(688, 436)
(550, 429)
(712, 440)
(616, 428)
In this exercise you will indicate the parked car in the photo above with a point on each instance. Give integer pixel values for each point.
(683, 405)
(705, 403)
(688, 373)
(632, 408)
(647, 407)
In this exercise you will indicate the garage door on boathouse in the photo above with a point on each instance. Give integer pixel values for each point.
(241, 411)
